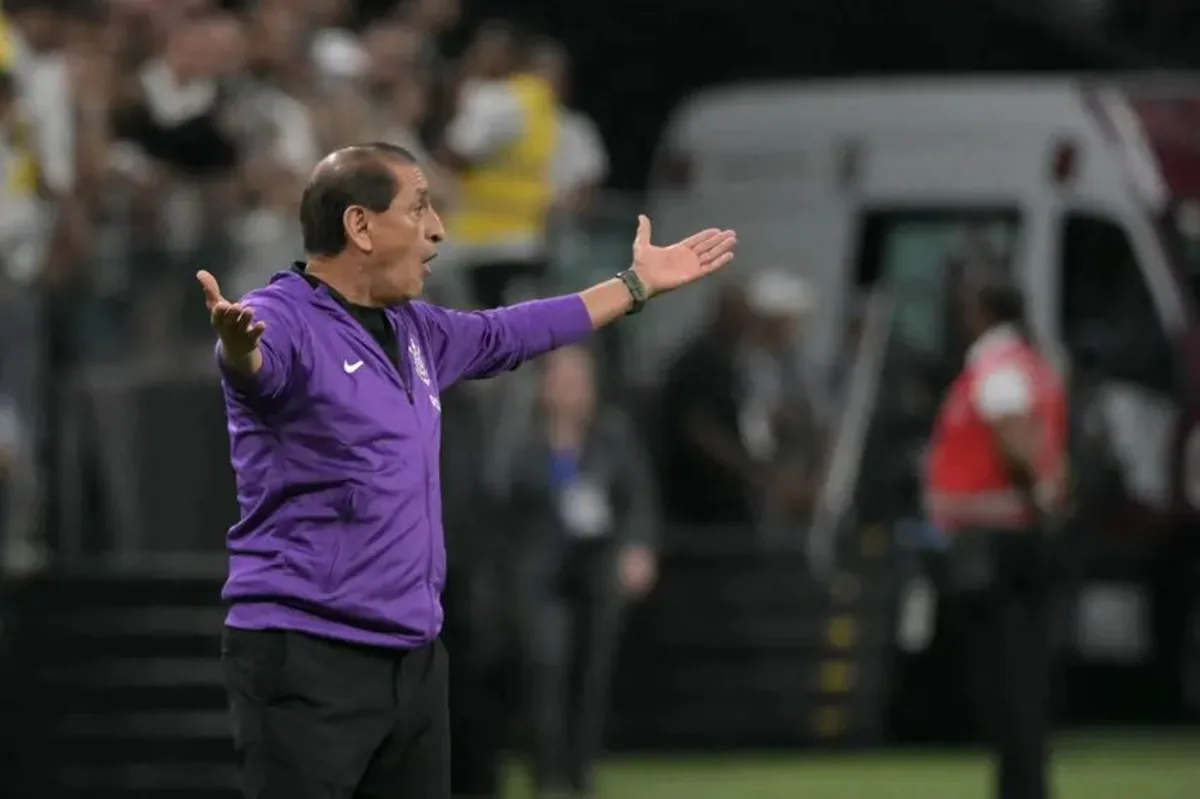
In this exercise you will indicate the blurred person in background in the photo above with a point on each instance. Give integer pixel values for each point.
(335, 50)
(581, 161)
(501, 144)
(741, 412)
(995, 485)
(40, 66)
(585, 516)
(436, 20)
(116, 190)
(394, 93)
(393, 99)
(388, 100)
(782, 404)
(277, 139)
(175, 117)
(28, 224)
(705, 473)
(177, 114)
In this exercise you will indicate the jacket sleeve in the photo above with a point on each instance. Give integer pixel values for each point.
(478, 344)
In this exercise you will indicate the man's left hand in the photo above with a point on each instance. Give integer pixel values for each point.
(665, 268)
(638, 571)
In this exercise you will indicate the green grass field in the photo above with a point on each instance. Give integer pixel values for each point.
(1127, 767)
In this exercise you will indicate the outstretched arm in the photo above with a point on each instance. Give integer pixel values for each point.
(484, 343)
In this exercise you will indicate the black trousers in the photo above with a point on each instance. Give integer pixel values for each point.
(321, 719)
(1008, 588)
(569, 621)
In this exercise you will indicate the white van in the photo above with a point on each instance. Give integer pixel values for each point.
(1090, 189)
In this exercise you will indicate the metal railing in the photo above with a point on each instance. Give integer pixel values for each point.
(836, 501)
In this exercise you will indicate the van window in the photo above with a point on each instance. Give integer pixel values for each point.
(1180, 228)
(913, 251)
(1107, 309)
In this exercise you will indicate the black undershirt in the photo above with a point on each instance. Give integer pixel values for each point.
(374, 320)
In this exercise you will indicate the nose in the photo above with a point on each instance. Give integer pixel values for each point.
(434, 230)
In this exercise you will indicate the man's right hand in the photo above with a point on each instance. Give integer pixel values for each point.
(235, 326)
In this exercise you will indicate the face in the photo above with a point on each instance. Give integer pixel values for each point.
(778, 331)
(41, 27)
(550, 66)
(276, 36)
(399, 243)
(568, 383)
(410, 100)
(491, 52)
(393, 50)
(440, 14)
(224, 48)
(327, 12)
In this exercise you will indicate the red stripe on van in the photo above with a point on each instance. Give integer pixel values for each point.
(1171, 126)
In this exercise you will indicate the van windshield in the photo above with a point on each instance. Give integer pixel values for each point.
(914, 251)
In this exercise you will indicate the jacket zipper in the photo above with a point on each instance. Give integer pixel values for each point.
(429, 576)
(402, 368)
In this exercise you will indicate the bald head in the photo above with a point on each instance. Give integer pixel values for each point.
(360, 175)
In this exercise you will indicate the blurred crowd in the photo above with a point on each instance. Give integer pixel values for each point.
(143, 140)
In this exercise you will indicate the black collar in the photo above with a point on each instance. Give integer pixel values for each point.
(299, 267)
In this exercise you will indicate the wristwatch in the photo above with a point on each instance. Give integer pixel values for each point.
(637, 289)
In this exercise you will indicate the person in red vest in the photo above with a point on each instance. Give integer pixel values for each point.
(995, 484)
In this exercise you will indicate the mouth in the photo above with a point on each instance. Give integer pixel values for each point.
(426, 261)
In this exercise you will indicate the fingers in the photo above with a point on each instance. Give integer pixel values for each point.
(715, 242)
(717, 251)
(718, 262)
(697, 239)
(234, 319)
(212, 291)
(642, 239)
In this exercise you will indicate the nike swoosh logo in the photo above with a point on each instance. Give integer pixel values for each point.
(351, 368)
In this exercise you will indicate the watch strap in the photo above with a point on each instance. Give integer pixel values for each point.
(637, 289)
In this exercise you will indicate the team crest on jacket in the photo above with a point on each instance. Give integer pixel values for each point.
(418, 361)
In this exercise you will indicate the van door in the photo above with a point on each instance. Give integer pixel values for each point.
(1109, 314)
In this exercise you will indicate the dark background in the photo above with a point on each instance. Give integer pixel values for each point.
(637, 59)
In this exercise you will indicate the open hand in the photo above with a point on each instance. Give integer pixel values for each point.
(638, 568)
(234, 323)
(666, 268)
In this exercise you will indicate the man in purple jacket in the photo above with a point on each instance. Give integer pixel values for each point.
(332, 375)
